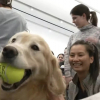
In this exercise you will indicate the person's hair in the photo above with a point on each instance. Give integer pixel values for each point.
(60, 54)
(92, 51)
(82, 9)
(6, 3)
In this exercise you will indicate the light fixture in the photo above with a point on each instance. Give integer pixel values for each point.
(31, 9)
(50, 30)
(61, 22)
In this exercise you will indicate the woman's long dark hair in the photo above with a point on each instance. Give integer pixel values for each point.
(93, 52)
(81, 9)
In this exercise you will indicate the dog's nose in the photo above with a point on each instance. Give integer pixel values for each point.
(9, 52)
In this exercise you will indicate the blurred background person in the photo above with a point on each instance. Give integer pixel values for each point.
(10, 22)
(83, 58)
(60, 57)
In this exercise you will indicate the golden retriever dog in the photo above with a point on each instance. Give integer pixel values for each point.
(42, 80)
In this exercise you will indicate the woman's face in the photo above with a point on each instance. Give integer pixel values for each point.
(79, 21)
(79, 58)
(61, 58)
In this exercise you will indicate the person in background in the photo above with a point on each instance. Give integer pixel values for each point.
(86, 22)
(60, 57)
(61, 63)
(10, 22)
(83, 58)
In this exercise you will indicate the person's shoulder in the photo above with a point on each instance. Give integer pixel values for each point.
(95, 28)
(6, 11)
(75, 34)
(16, 13)
(18, 16)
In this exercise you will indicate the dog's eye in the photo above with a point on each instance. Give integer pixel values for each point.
(13, 40)
(35, 47)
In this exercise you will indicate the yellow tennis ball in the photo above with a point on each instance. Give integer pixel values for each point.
(10, 74)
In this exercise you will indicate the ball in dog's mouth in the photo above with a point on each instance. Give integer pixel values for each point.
(7, 87)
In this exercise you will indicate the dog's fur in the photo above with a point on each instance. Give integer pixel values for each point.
(46, 81)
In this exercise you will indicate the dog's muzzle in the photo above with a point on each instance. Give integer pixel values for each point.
(9, 52)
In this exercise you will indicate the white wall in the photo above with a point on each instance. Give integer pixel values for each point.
(38, 13)
(56, 41)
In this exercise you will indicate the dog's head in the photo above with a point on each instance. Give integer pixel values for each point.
(32, 53)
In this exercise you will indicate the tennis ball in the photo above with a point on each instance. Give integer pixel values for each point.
(10, 74)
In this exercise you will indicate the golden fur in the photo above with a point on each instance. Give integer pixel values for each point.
(46, 81)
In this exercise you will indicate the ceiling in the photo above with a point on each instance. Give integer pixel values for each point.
(51, 14)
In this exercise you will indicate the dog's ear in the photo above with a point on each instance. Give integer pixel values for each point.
(56, 81)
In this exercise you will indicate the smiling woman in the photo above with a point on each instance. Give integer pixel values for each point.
(83, 58)
(79, 59)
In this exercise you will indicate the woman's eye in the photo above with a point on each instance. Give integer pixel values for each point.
(71, 55)
(13, 40)
(80, 55)
(35, 47)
